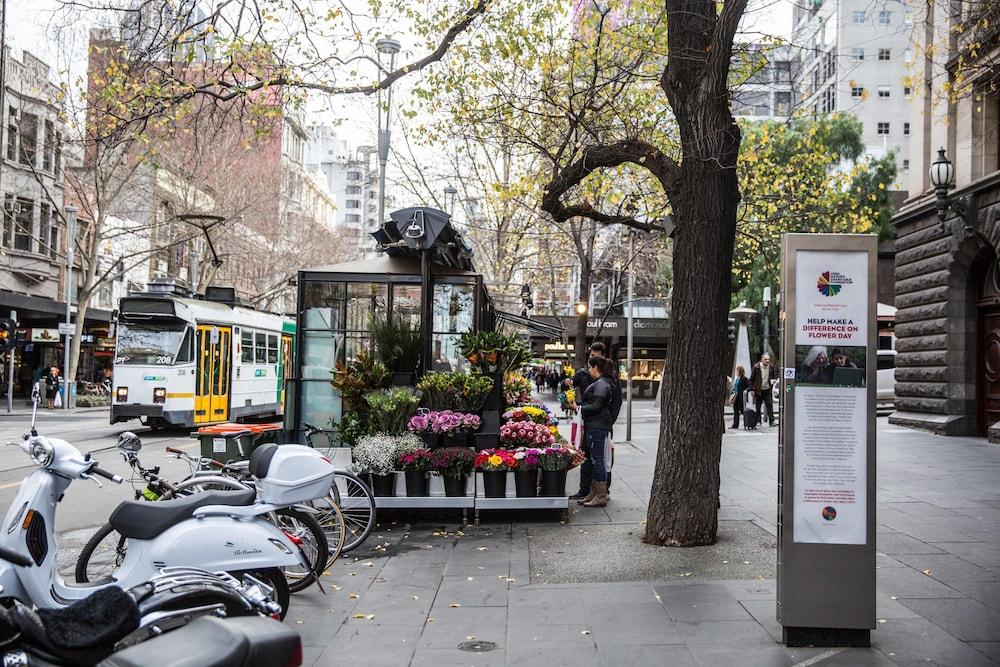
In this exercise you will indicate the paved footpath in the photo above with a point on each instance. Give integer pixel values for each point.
(588, 592)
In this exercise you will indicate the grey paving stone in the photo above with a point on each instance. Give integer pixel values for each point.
(966, 619)
(987, 592)
(749, 632)
(945, 567)
(453, 657)
(672, 655)
(901, 543)
(917, 640)
(474, 590)
(454, 625)
(989, 649)
(632, 625)
(852, 657)
(714, 655)
(983, 554)
(370, 645)
(571, 632)
(551, 656)
(910, 583)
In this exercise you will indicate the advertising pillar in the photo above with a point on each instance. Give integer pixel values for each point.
(826, 452)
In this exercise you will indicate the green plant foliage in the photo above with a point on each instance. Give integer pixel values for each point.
(397, 345)
(460, 392)
(390, 409)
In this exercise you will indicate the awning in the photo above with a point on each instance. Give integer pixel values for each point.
(540, 328)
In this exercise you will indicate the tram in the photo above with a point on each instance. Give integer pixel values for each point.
(183, 360)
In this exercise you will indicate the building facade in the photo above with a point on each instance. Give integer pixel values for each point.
(854, 57)
(768, 91)
(947, 282)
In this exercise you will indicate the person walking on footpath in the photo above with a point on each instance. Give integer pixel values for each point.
(539, 380)
(595, 408)
(761, 382)
(581, 380)
(51, 388)
(740, 385)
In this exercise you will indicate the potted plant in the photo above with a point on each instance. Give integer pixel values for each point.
(415, 465)
(516, 389)
(526, 472)
(398, 346)
(375, 455)
(454, 465)
(554, 462)
(516, 434)
(494, 464)
(352, 381)
(390, 409)
(461, 392)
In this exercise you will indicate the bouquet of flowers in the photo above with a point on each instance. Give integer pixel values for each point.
(453, 462)
(446, 422)
(454, 391)
(532, 413)
(527, 458)
(407, 443)
(516, 389)
(555, 458)
(495, 460)
(376, 454)
(525, 434)
(416, 461)
(391, 408)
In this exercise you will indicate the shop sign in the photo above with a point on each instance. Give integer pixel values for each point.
(44, 335)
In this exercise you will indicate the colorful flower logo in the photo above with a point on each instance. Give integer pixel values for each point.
(829, 513)
(826, 286)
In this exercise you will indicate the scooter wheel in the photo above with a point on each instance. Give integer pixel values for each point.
(274, 578)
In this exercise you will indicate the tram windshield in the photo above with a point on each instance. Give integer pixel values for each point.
(155, 343)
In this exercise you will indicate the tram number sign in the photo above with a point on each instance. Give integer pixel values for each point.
(213, 335)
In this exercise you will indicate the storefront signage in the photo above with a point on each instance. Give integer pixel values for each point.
(826, 504)
(44, 335)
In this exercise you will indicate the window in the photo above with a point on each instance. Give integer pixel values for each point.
(907, 91)
(883, 129)
(884, 54)
(352, 217)
(883, 91)
(260, 348)
(858, 53)
(857, 91)
(885, 17)
(185, 354)
(24, 217)
(354, 175)
(57, 160)
(53, 240)
(353, 203)
(906, 129)
(782, 103)
(353, 190)
(12, 134)
(857, 17)
(8, 218)
(906, 166)
(246, 346)
(29, 139)
(908, 55)
(272, 348)
(44, 220)
(783, 71)
(47, 146)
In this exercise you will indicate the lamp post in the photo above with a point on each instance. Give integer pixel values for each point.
(71, 212)
(629, 337)
(449, 199)
(766, 347)
(385, 47)
(942, 172)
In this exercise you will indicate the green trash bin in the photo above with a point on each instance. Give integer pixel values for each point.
(235, 442)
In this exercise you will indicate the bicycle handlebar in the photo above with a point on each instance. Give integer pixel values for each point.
(174, 450)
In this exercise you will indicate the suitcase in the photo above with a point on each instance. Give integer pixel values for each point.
(750, 416)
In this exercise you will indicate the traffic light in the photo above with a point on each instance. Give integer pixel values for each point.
(8, 328)
(731, 330)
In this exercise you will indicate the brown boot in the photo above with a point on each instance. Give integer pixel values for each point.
(590, 496)
(600, 498)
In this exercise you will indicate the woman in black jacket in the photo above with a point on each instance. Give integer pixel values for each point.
(740, 385)
(595, 409)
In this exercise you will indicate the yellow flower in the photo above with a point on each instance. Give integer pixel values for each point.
(495, 460)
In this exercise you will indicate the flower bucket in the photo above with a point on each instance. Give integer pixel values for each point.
(495, 483)
(384, 485)
(526, 483)
(455, 487)
(416, 483)
(553, 483)
(459, 439)
(431, 440)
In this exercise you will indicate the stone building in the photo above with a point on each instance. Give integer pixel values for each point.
(947, 282)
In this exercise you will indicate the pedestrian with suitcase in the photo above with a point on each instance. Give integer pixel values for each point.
(740, 385)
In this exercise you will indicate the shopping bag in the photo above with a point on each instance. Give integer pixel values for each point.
(58, 400)
(609, 453)
(576, 431)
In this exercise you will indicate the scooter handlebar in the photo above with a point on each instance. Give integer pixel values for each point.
(15, 558)
(101, 472)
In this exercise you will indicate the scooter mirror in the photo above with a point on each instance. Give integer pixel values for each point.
(36, 398)
(129, 442)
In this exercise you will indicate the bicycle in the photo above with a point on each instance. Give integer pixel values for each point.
(350, 493)
(106, 549)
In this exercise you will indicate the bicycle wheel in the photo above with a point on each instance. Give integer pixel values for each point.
(198, 484)
(331, 519)
(101, 556)
(306, 532)
(357, 503)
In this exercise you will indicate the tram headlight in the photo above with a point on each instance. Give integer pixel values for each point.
(42, 452)
(160, 395)
(121, 394)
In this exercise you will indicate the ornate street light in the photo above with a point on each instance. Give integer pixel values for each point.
(581, 309)
(449, 194)
(942, 172)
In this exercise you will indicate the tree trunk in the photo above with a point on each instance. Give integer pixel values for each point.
(82, 306)
(683, 509)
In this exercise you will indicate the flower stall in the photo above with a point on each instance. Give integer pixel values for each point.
(398, 359)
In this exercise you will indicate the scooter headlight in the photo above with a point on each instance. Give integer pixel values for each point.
(42, 452)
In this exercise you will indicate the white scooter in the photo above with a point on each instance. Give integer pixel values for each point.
(217, 531)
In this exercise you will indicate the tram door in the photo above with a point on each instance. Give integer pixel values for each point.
(284, 369)
(215, 355)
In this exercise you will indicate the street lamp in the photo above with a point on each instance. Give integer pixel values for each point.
(581, 309)
(942, 172)
(766, 348)
(449, 199)
(384, 47)
(71, 212)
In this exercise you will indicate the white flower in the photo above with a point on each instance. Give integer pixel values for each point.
(376, 454)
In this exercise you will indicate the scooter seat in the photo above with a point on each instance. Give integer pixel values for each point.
(145, 520)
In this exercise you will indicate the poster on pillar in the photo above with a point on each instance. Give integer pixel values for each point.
(831, 397)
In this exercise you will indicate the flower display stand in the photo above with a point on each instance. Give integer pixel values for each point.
(512, 502)
(435, 500)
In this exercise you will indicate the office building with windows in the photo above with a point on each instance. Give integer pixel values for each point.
(765, 90)
(853, 58)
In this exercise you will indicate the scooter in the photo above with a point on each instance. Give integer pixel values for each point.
(218, 531)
